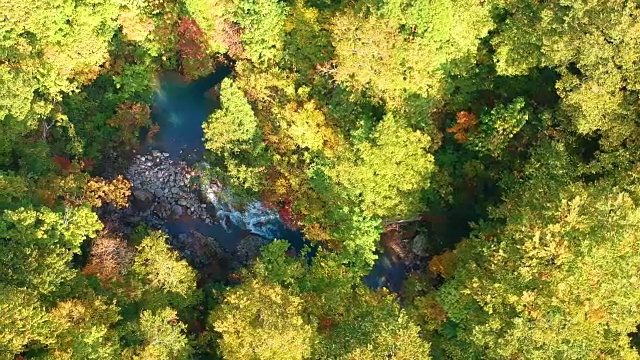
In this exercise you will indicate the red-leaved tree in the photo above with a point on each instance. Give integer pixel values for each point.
(194, 60)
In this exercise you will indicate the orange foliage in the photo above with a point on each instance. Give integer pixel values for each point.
(67, 188)
(110, 257)
(131, 115)
(87, 164)
(129, 118)
(443, 264)
(73, 166)
(62, 162)
(465, 122)
(70, 184)
(287, 215)
(315, 232)
(152, 131)
(135, 26)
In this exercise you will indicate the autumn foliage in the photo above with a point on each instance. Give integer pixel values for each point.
(98, 191)
(129, 118)
(194, 59)
(465, 122)
(443, 264)
(153, 130)
(110, 257)
(228, 33)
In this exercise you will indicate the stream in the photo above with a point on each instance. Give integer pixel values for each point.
(180, 108)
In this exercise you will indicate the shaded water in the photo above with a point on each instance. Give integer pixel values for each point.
(179, 109)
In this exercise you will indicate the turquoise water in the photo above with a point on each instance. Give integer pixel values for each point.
(180, 109)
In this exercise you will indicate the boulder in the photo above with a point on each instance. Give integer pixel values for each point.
(143, 199)
(176, 212)
(420, 245)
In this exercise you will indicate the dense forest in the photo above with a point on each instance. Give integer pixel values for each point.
(489, 147)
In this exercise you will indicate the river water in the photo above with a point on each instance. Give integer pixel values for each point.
(180, 108)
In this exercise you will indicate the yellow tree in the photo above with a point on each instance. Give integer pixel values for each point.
(161, 276)
(258, 320)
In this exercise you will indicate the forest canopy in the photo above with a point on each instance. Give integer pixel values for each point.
(488, 149)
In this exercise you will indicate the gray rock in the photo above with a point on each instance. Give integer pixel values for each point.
(142, 199)
(420, 245)
(158, 192)
(175, 190)
(176, 212)
(182, 202)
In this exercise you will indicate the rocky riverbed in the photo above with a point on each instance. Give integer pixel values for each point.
(167, 195)
(166, 188)
(217, 239)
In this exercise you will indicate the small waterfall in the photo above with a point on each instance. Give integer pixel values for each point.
(254, 216)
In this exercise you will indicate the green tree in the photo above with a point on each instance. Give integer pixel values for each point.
(387, 173)
(232, 135)
(371, 326)
(14, 189)
(497, 127)
(163, 337)
(407, 47)
(235, 126)
(24, 321)
(551, 274)
(164, 277)
(599, 82)
(372, 54)
(67, 41)
(86, 329)
(39, 246)
(352, 321)
(263, 24)
(307, 43)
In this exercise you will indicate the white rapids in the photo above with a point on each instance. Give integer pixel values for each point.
(253, 216)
